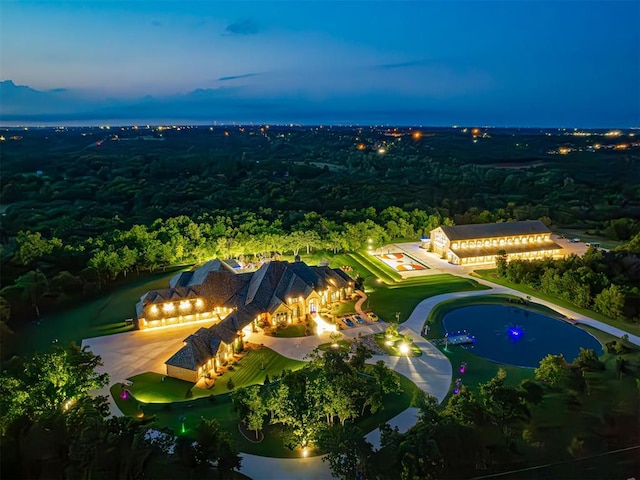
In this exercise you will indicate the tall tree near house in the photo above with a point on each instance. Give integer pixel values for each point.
(251, 407)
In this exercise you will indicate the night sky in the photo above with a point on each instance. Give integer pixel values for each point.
(490, 63)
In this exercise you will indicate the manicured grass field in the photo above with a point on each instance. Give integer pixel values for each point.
(152, 387)
(253, 368)
(491, 275)
(404, 296)
(103, 315)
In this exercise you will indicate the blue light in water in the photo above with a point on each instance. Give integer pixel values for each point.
(515, 332)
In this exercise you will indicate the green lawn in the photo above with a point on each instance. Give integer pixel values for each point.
(101, 316)
(253, 368)
(153, 387)
(404, 296)
(346, 308)
(290, 331)
(633, 328)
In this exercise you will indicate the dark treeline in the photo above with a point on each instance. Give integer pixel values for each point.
(62, 184)
(607, 282)
(50, 271)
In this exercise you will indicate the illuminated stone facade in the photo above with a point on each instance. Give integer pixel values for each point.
(478, 244)
(232, 304)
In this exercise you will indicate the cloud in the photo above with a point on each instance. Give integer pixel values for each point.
(242, 27)
(410, 64)
(236, 77)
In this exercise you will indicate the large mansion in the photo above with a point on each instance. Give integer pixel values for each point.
(276, 293)
(480, 243)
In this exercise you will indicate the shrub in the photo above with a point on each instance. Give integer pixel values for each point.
(230, 384)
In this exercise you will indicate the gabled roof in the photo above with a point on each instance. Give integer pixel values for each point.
(251, 294)
(489, 230)
(199, 276)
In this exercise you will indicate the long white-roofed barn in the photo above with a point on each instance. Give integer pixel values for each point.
(478, 244)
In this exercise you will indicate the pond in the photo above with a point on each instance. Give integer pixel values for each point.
(515, 336)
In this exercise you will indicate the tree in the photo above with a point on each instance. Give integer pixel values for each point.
(588, 360)
(250, 406)
(465, 409)
(504, 404)
(348, 453)
(610, 302)
(33, 285)
(553, 370)
(358, 359)
(50, 382)
(215, 447)
(531, 392)
(32, 246)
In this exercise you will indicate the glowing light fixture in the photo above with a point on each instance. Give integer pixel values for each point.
(404, 348)
(168, 307)
(322, 326)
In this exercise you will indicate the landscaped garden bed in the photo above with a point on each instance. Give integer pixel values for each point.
(397, 345)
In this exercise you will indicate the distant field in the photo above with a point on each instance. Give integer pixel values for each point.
(103, 315)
